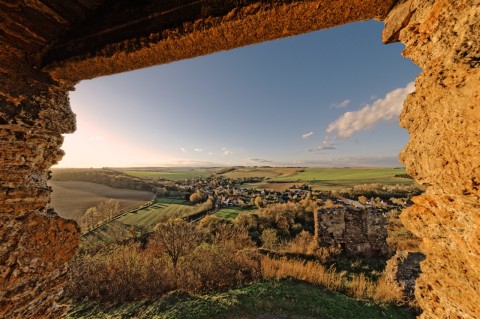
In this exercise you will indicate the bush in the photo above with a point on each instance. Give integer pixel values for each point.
(123, 274)
(177, 257)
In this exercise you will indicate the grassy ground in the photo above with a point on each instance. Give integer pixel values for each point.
(266, 300)
(339, 174)
(335, 178)
(71, 198)
(142, 220)
(230, 212)
(171, 173)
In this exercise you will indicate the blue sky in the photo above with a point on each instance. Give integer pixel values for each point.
(327, 98)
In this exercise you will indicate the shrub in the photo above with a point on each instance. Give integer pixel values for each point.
(269, 238)
(177, 257)
(116, 276)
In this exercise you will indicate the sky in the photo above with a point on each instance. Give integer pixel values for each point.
(329, 98)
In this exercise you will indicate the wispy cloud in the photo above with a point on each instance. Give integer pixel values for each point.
(321, 148)
(325, 147)
(307, 135)
(198, 150)
(383, 109)
(259, 160)
(226, 152)
(183, 149)
(340, 105)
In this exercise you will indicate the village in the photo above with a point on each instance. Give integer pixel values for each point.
(228, 192)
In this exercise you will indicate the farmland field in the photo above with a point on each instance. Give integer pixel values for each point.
(339, 174)
(141, 220)
(278, 187)
(170, 173)
(334, 178)
(267, 172)
(70, 199)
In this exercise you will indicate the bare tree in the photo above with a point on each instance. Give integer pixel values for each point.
(90, 218)
(108, 209)
(176, 238)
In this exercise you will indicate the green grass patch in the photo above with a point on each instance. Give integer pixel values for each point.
(143, 220)
(230, 212)
(271, 299)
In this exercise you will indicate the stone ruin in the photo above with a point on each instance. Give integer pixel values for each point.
(47, 46)
(357, 231)
(402, 271)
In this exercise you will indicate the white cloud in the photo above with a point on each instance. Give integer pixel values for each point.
(340, 105)
(198, 150)
(307, 135)
(183, 149)
(380, 110)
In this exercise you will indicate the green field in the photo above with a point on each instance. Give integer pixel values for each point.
(143, 220)
(267, 300)
(340, 174)
(230, 212)
(171, 173)
(334, 178)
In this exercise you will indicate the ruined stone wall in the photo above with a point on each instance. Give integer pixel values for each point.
(34, 242)
(357, 230)
(442, 117)
(402, 271)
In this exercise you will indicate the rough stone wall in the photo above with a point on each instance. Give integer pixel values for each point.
(357, 231)
(402, 272)
(34, 242)
(442, 117)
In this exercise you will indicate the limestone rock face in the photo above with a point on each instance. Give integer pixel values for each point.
(442, 117)
(34, 243)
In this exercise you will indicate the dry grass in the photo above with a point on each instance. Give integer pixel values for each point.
(357, 286)
(388, 293)
(70, 199)
(309, 271)
(399, 238)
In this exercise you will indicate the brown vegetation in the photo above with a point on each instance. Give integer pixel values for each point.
(358, 286)
(184, 258)
(399, 238)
